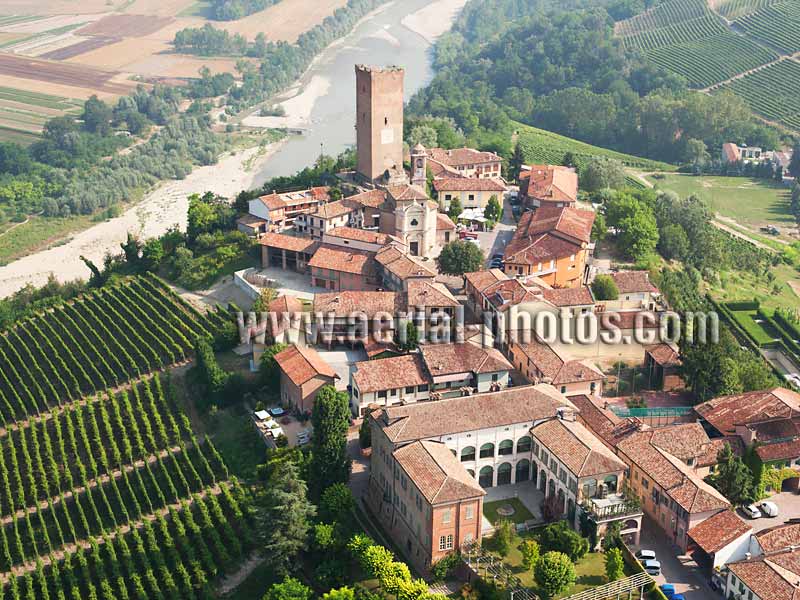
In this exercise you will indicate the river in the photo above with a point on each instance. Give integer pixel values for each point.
(322, 103)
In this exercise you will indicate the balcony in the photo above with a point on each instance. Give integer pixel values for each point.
(612, 507)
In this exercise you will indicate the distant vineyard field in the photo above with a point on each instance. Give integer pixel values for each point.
(96, 342)
(545, 147)
(712, 60)
(773, 92)
(676, 33)
(733, 9)
(777, 25)
(662, 15)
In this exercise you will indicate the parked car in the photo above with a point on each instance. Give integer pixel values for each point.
(768, 508)
(475, 241)
(643, 555)
(752, 511)
(277, 411)
(467, 235)
(496, 264)
(652, 567)
(668, 589)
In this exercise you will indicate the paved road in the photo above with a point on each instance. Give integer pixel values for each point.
(494, 242)
(788, 508)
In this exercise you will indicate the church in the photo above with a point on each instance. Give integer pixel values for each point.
(407, 212)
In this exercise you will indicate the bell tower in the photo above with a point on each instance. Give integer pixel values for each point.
(379, 122)
(419, 166)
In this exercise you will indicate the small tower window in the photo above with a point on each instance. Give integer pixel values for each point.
(414, 222)
(385, 120)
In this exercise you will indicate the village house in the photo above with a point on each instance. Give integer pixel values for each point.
(548, 185)
(470, 192)
(302, 373)
(551, 243)
(722, 538)
(397, 269)
(286, 252)
(636, 292)
(581, 475)
(437, 371)
(277, 212)
(768, 420)
(337, 309)
(466, 162)
(361, 211)
(540, 363)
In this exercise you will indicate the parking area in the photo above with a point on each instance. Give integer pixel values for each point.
(495, 241)
(788, 505)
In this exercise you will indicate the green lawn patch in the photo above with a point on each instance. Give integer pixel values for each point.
(752, 202)
(521, 512)
(255, 585)
(742, 286)
(235, 436)
(762, 332)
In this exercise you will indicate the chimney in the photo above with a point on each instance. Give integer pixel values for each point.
(748, 556)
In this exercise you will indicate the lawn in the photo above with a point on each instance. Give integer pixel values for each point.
(39, 233)
(521, 513)
(235, 436)
(752, 202)
(763, 333)
(740, 286)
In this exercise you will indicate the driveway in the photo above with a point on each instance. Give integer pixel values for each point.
(680, 571)
(341, 360)
(494, 242)
(788, 508)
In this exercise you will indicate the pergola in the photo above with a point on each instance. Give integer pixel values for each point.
(630, 587)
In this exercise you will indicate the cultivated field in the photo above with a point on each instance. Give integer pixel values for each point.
(22, 113)
(777, 25)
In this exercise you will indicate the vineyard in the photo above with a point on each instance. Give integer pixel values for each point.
(712, 60)
(544, 147)
(773, 92)
(663, 15)
(777, 25)
(733, 9)
(105, 491)
(99, 341)
(676, 33)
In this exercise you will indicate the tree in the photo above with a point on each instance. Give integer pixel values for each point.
(599, 227)
(459, 257)
(265, 298)
(329, 460)
(375, 559)
(97, 116)
(733, 478)
(636, 225)
(289, 589)
(342, 593)
(283, 515)
(211, 378)
(493, 210)
(560, 537)
(337, 503)
(515, 162)
(614, 564)
(132, 249)
(602, 173)
(365, 434)
(455, 209)
(554, 573)
(794, 164)
(425, 135)
(504, 536)
(408, 337)
(530, 553)
(152, 254)
(673, 243)
(569, 160)
(697, 153)
(604, 287)
(268, 373)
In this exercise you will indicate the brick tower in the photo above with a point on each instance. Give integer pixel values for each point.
(379, 123)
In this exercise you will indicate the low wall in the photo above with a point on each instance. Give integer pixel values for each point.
(240, 280)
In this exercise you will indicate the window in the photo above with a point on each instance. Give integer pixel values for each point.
(393, 393)
(382, 394)
(443, 543)
(524, 444)
(422, 388)
(403, 482)
(472, 197)
(449, 542)
(469, 513)
(495, 376)
(563, 389)
(487, 450)
(446, 516)
(468, 454)
(506, 447)
(645, 483)
(410, 389)
(414, 222)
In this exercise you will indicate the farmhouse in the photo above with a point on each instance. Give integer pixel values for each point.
(302, 373)
(548, 185)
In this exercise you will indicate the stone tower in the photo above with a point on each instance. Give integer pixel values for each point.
(419, 166)
(379, 123)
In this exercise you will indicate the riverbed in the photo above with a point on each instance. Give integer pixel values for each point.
(322, 104)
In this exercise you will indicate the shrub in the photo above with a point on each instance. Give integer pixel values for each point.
(554, 573)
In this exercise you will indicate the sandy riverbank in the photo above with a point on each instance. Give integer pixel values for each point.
(435, 19)
(155, 214)
(297, 107)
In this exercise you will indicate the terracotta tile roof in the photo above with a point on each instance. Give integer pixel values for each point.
(577, 448)
(663, 354)
(389, 373)
(303, 363)
(725, 412)
(438, 475)
(602, 422)
(627, 319)
(775, 430)
(402, 265)
(439, 170)
(336, 258)
(444, 223)
(549, 233)
(719, 530)
(286, 304)
(461, 156)
(779, 537)
(709, 455)
(683, 440)
(789, 449)
(272, 201)
(371, 198)
(469, 184)
(730, 152)
(550, 183)
(481, 280)
(288, 242)
(766, 579)
(559, 370)
(347, 302)
(449, 359)
(568, 296)
(631, 282)
(506, 293)
(251, 220)
(361, 235)
(407, 192)
(427, 420)
(679, 481)
(422, 293)
(374, 348)
(335, 209)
